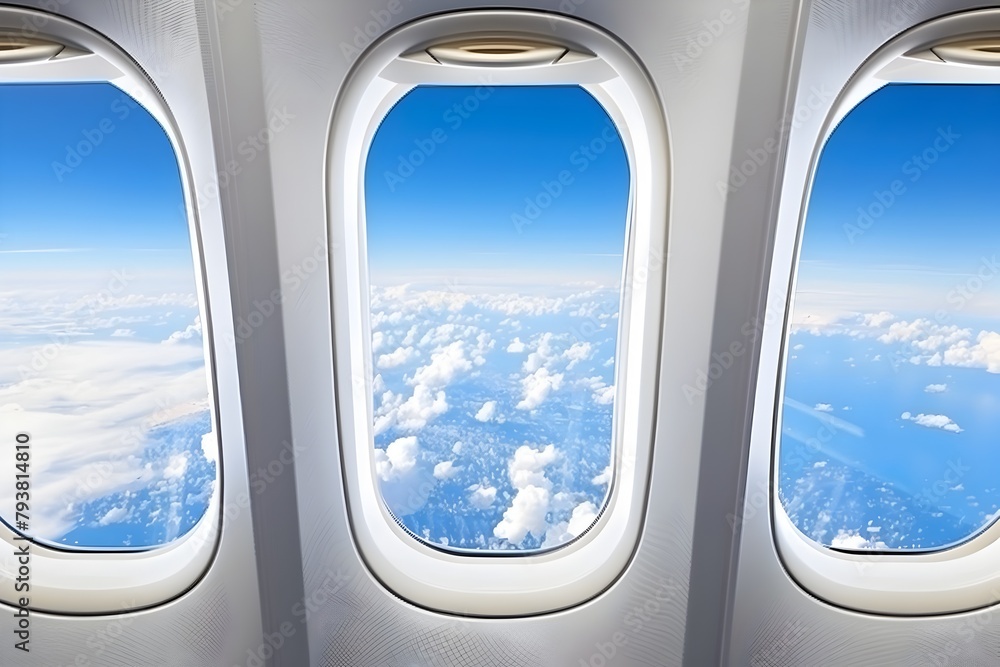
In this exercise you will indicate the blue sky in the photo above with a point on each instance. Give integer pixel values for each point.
(124, 194)
(101, 352)
(494, 365)
(456, 210)
(943, 201)
(895, 343)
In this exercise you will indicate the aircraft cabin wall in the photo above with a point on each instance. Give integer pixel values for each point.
(930, 608)
(263, 102)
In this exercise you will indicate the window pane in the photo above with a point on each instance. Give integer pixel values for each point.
(496, 221)
(889, 428)
(101, 355)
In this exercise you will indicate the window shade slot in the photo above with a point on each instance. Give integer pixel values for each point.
(15, 49)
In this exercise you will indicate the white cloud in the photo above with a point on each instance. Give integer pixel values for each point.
(402, 298)
(177, 466)
(115, 515)
(923, 340)
(604, 395)
(823, 407)
(516, 346)
(935, 388)
(143, 301)
(487, 412)
(443, 334)
(210, 446)
(985, 353)
(527, 467)
(94, 403)
(576, 353)
(445, 365)
(525, 515)
(537, 387)
(397, 459)
(798, 347)
(378, 340)
(192, 330)
(482, 496)
(123, 333)
(604, 477)
(527, 511)
(924, 335)
(446, 470)
(582, 518)
(397, 357)
(543, 353)
(933, 421)
(420, 408)
(411, 335)
(878, 320)
(853, 540)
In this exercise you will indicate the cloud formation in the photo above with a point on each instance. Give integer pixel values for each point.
(487, 412)
(530, 505)
(933, 421)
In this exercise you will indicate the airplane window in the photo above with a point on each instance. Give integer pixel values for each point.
(102, 363)
(496, 225)
(891, 386)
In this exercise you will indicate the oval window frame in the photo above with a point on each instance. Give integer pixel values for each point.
(957, 578)
(492, 584)
(91, 581)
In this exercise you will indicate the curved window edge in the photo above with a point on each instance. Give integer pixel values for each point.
(491, 584)
(951, 579)
(109, 581)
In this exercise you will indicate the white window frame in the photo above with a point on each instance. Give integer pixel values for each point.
(491, 583)
(952, 579)
(93, 580)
